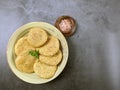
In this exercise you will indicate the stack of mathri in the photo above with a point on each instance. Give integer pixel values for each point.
(38, 52)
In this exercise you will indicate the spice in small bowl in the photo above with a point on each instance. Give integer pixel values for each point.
(66, 25)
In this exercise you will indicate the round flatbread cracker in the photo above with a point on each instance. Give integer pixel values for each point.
(37, 37)
(51, 47)
(24, 62)
(44, 70)
(51, 60)
(22, 45)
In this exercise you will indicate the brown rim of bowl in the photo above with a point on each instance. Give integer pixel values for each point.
(72, 21)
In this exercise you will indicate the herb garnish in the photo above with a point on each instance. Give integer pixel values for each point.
(34, 53)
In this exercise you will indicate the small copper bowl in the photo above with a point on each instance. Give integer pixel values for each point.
(69, 21)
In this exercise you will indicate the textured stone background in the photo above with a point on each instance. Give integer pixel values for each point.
(94, 59)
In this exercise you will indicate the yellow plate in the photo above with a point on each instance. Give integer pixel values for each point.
(23, 30)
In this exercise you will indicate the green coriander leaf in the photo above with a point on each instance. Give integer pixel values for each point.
(34, 53)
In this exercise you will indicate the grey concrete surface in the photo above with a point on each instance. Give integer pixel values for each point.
(94, 60)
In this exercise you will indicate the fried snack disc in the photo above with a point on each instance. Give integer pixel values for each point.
(51, 60)
(51, 47)
(37, 37)
(24, 62)
(22, 45)
(44, 70)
